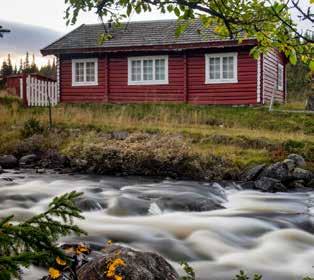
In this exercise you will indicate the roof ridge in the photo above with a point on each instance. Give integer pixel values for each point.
(65, 35)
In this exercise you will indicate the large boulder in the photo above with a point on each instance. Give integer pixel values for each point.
(8, 161)
(298, 160)
(128, 264)
(278, 170)
(253, 173)
(302, 174)
(270, 185)
(28, 160)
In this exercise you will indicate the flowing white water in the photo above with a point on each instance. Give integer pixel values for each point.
(257, 232)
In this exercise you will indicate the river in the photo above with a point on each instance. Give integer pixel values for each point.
(217, 229)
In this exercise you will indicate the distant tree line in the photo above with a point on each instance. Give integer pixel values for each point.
(28, 67)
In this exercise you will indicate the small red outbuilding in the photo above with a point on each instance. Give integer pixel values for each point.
(146, 62)
(13, 83)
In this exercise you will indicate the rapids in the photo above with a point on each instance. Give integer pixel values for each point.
(217, 229)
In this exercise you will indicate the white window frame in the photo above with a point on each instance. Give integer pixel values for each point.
(147, 82)
(220, 56)
(280, 69)
(84, 83)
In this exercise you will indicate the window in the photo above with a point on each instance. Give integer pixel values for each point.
(148, 70)
(280, 78)
(85, 72)
(221, 68)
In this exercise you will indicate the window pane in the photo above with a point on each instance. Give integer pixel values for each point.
(90, 72)
(227, 67)
(160, 71)
(214, 68)
(79, 72)
(136, 73)
(148, 70)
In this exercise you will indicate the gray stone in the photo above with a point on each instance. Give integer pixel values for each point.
(8, 161)
(296, 184)
(302, 174)
(89, 204)
(40, 171)
(299, 160)
(310, 184)
(28, 160)
(136, 265)
(249, 185)
(120, 135)
(253, 173)
(290, 164)
(277, 171)
(270, 185)
(79, 164)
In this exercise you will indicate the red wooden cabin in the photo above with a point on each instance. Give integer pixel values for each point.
(12, 82)
(146, 62)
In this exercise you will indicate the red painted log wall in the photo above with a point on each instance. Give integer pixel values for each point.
(270, 76)
(186, 81)
(243, 92)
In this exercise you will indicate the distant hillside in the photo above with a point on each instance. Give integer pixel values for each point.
(25, 38)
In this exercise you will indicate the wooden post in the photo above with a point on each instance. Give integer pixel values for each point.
(24, 76)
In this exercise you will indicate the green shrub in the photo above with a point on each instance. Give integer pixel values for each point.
(32, 127)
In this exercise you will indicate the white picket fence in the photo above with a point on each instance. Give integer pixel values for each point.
(40, 93)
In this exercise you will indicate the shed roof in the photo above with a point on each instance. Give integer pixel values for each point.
(133, 34)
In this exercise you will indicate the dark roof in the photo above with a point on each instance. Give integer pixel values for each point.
(133, 34)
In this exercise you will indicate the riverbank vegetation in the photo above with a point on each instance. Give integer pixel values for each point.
(239, 136)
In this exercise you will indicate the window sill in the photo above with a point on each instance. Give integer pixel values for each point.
(84, 84)
(147, 83)
(221, 81)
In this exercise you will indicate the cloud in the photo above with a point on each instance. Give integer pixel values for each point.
(23, 38)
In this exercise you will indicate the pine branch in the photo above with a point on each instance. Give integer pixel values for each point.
(34, 241)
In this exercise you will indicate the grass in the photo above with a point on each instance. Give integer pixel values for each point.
(244, 135)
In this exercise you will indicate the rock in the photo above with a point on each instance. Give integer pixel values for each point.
(249, 185)
(130, 264)
(88, 204)
(8, 161)
(53, 160)
(302, 174)
(278, 170)
(79, 164)
(270, 185)
(28, 160)
(120, 135)
(253, 173)
(40, 170)
(299, 160)
(1, 170)
(296, 184)
(310, 184)
(290, 164)
(188, 202)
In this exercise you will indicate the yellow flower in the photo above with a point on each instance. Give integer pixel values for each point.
(109, 242)
(54, 273)
(60, 261)
(81, 249)
(113, 265)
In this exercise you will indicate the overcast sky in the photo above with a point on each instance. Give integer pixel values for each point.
(49, 13)
(45, 15)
